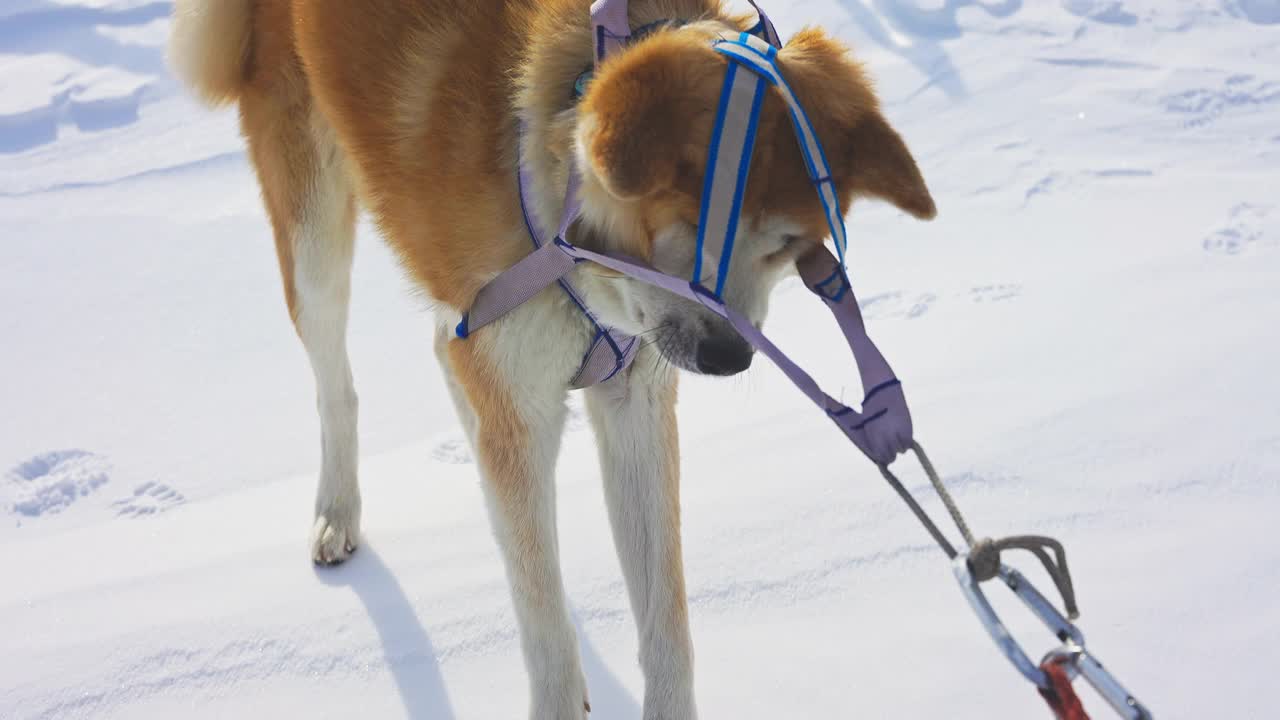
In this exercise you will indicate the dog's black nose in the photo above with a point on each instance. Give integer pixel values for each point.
(724, 355)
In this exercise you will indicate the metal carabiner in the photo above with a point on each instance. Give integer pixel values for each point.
(1071, 654)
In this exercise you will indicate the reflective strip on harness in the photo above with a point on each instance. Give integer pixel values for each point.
(728, 164)
(760, 57)
(882, 429)
(729, 158)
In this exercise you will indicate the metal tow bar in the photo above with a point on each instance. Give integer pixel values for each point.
(1071, 655)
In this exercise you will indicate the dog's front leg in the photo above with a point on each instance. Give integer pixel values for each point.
(515, 432)
(635, 423)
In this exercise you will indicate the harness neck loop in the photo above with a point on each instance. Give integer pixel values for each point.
(611, 27)
(610, 351)
(883, 428)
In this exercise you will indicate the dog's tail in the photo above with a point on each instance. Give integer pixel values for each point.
(210, 45)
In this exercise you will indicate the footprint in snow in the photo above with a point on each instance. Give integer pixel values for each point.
(452, 449)
(994, 293)
(149, 498)
(896, 304)
(900, 305)
(1199, 106)
(1242, 230)
(49, 483)
(921, 305)
(1046, 185)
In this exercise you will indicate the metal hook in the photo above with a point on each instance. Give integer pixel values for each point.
(1071, 654)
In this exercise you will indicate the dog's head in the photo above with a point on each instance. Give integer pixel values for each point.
(643, 132)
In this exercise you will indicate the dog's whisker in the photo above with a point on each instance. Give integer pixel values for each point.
(663, 326)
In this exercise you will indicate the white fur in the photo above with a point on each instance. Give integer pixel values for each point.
(642, 495)
(209, 46)
(322, 254)
(535, 350)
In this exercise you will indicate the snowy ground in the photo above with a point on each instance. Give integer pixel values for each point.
(1088, 333)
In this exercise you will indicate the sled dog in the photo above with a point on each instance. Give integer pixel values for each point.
(419, 113)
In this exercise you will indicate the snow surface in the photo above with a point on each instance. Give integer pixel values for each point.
(1088, 334)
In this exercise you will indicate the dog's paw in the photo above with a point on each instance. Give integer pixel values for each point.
(334, 536)
(556, 701)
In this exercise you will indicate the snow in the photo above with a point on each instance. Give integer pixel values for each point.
(1087, 335)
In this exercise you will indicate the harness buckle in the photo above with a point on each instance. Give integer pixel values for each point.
(1053, 675)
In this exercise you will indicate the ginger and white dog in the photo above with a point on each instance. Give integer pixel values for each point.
(410, 110)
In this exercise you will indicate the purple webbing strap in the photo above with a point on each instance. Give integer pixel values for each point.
(882, 430)
(521, 282)
(610, 350)
(765, 28)
(515, 286)
(612, 28)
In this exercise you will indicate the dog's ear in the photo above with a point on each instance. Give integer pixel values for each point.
(645, 120)
(881, 166)
(868, 157)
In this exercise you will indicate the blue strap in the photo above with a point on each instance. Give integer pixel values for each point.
(744, 168)
(729, 157)
(728, 166)
(761, 57)
(589, 372)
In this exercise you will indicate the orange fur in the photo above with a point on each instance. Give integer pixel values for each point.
(501, 437)
(278, 119)
(649, 120)
(424, 110)
(411, 108)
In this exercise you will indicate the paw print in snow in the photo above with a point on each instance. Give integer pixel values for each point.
(1244, 228)
(48, 484)
(452, 449)
(995, 293)
(149, 498)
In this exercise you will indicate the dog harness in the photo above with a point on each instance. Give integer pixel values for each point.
(881, 428)
(610, 350)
